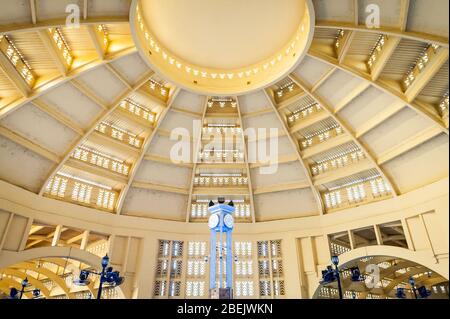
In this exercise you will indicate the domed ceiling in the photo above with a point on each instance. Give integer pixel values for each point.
(88, 116)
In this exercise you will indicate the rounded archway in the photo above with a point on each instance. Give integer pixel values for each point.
(53, 270)
(381, 276)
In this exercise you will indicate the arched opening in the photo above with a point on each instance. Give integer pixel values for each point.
(380, 278)
(53, 270)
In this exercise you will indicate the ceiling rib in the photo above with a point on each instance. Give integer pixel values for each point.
(345, 46)
(60, 22)
(195, 159)
(281, 188)
(346, 129)
(13, 75)
(356, 12)
(382, 86)
(85, 9)
(409, 144)
(89, 94)
(73, 74)
(422, 37)
(385, 55)
(323, 79)
(295, 145)
(160, 188)
(404, 13)
(372, 123)
(118, 75)
(36, 283)
(104, 115)
(247, 165)
(144, 150)
(54, 55)
(47, 273)
(432, 68)
(99, 48)
(16, 138)
(33, 11)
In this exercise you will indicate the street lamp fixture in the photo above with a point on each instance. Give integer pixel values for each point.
(335, 260)
(107, 276)
(412, 282)
(331, 275)
(400, 294)
(16, 294)
(424, 292)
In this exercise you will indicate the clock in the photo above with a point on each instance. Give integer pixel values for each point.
(213, 221)
(229, 221)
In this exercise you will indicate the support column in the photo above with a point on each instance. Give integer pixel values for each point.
(212, 261)
(84, 240)
(229, 261)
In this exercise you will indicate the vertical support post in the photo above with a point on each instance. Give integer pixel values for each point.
(57, 235)
(378, 234)
(351, 239)
(229, 261)
(221, 221)
(25, 234)
(100, 287)
(338, 276)
(6, 230)
(212, 262)
(408, 237)
(84, 240)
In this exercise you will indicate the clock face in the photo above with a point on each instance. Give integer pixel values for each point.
(229, 221)
(213, 221)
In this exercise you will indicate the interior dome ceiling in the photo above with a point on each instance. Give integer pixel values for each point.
(94, 129)
(215, 34)
(222, 47)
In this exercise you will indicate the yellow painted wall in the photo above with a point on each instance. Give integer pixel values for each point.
(134, 241)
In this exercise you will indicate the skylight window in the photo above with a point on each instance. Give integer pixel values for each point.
(333, 199)
(217, 180)
(221, 156)
(420, 65)
(304, 112)
(443, 106)
(357, 191)
(138, 110)
(222, 102)
(93, 157)
(82, 193)
(377, 50)
(70, 188)
(62, 45)
(16, 58)
(106, 199)
(102, 31)
(340, 35)
(289, 86)
(199, 210)
(119, 134)
(222, 129)
(321, 136)
(340, 160)
(380, 187)
(158, 88)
